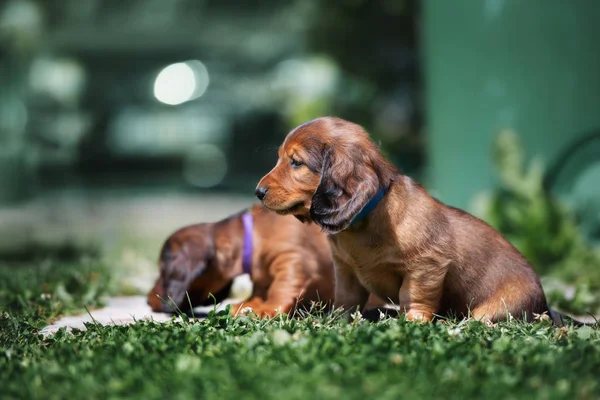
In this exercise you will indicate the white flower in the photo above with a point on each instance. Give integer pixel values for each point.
(455, 332)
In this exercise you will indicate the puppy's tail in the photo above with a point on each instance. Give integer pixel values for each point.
(560, 319)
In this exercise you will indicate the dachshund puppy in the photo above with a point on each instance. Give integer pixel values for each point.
(390, 237)
(289, 263)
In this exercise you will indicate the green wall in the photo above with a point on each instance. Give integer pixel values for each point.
(533, 66)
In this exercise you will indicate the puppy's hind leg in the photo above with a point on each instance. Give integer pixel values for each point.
(518, 299)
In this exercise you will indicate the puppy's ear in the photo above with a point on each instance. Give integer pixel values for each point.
(348, 181)
(182, 269)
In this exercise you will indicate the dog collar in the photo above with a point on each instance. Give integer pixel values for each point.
(248, 221)
(369, 206)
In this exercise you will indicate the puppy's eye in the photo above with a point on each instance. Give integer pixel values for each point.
(295, 163)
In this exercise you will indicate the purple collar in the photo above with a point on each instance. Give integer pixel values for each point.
(248, 222)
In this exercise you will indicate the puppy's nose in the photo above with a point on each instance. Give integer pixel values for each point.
(260, 192)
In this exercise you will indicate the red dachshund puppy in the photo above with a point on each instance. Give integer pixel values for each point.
(289, 263)
(389, 237)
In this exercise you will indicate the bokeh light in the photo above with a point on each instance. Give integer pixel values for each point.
(204, 166)
(62, 79)
(181, 82)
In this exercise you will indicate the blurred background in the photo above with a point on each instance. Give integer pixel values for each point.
(121, 121)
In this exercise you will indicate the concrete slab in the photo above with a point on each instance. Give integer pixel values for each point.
(120, 311)
(128, 309)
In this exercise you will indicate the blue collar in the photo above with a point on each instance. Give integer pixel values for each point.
(369, 206)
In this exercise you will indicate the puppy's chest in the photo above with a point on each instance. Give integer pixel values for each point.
(378, 265)
(359, 250)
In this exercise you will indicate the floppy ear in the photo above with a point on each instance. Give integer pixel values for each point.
(182, 269)
(348, 181)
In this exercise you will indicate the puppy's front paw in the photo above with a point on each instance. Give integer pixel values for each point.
(268, 312)
(419, 316)
(241, 309)
(257, 310)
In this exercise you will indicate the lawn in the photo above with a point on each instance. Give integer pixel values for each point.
(320, 357)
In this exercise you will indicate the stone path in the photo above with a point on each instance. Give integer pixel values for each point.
(128, 309)
(120, 311)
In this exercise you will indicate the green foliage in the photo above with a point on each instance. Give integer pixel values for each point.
(541, 227)
(320, 357)
(43, 290)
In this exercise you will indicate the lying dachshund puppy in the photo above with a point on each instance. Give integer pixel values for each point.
(290, 264)
(390, 237)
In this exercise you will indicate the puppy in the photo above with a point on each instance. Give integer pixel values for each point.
(290, 264)
(389, 237)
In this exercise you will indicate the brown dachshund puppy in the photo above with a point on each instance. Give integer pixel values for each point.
(389, 237)
(289, 263)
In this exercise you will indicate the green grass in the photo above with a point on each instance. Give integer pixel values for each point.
(320, 357)
(323, 358)
(41, 291)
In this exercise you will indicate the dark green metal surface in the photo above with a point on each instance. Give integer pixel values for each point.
(531, 66)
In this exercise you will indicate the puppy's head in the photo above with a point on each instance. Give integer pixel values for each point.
(328, 170)
(188, 263)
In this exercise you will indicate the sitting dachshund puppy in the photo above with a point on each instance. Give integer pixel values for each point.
(390, 237)
(289, 263)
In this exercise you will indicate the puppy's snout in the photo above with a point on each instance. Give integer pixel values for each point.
(260, 192)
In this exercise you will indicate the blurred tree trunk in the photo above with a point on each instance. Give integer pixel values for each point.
(20, 31)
